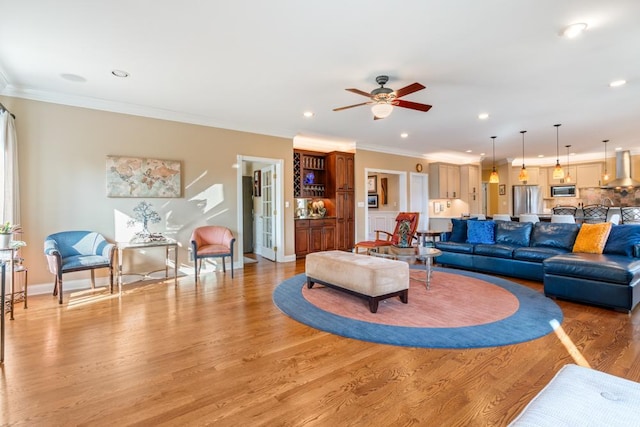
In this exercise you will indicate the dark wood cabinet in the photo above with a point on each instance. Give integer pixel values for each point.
(345, 220)
(340, 170)
(333, 180)
(302, 238)
(315, 235)
(310, 174)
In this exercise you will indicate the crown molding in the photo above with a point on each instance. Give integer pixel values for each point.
(132, 109)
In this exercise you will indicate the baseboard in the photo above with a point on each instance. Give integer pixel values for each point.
(78, 284)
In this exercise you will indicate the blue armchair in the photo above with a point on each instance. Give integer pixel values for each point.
(70, 251)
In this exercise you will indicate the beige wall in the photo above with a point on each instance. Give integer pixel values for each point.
(62, 173)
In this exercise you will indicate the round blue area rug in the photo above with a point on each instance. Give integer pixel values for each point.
(531, 317)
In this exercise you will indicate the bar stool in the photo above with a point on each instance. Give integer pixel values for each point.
(593, 214)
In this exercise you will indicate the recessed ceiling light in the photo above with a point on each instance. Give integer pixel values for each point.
(618, 148)
(120, 73)
(574, 30)
(404, 135)
(540, 155)
(469, 151)
(617, 83)
(483, 154)
(308, 114)
(483, 116)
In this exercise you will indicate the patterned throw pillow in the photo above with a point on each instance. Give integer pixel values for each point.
(592, 238)
(481, 232)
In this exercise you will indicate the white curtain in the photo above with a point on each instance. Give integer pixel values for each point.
(10, 207)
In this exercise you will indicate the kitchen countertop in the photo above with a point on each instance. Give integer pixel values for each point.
(314, 218)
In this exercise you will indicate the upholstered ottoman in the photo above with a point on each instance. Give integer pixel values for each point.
(579, 396)
(365, 276)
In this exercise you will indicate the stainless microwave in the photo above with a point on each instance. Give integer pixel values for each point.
(563, 191)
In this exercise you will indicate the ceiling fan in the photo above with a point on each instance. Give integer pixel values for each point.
(384, 99)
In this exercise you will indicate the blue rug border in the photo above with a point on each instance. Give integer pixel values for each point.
(531, 321)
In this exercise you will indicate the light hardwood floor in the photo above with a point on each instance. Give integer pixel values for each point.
(222, 354)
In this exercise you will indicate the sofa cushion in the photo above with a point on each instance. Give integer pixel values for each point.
(592, 238)
(463, 248)
(459, 230)
(481, 232)
(622, 239)
(554, 235)
(605, 268)
(495, 250)
(536, 254)
(513, 233)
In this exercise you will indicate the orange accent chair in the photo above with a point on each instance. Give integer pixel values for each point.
(384, 238)
(212, 241)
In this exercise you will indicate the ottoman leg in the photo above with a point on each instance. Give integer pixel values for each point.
(373, 304)
(404, 296)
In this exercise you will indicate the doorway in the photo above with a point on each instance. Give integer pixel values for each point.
(419, 199)
(384, 219)
(259, 217)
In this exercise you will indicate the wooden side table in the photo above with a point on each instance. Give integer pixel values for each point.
(431, 234)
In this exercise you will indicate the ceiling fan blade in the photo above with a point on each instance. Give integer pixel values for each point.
(377, 118)
(409, 89)
(350, 106)
(360, 92)
(412, 105)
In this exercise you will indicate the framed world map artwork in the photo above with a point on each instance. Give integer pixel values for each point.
(141, 177)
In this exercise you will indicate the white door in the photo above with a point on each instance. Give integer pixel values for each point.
(419, 201)
(268, 212)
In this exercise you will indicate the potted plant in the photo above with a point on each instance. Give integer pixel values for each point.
(6, 233)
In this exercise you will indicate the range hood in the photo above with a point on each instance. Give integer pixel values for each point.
(623, 172)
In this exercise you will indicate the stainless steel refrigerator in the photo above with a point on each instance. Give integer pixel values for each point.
(527, 199)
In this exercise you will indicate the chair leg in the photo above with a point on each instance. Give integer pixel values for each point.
(25, 288)
(231, 266)
(60, 290)
(93, 279)
(224, 266)
(195, 267)
(55, 286)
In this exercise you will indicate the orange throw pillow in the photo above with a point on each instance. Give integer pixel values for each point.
(592, 238)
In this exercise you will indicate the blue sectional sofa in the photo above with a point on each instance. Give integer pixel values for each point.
(545, 252)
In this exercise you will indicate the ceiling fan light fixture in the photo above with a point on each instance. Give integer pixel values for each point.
(381, 110)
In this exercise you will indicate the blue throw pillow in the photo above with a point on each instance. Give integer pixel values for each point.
(622, 238)
(513, 233)
(481, 232)
(458, 230)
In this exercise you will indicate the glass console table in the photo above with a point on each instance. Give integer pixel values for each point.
(168, 244)
(410, 255)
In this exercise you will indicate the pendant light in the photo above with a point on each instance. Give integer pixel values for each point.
(494, 178)
(558, 173)
(567, 177)
(524, 174)
(605, 176)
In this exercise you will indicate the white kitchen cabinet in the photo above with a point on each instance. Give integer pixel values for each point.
(589, 175)
(444, 181)
(470, 186)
